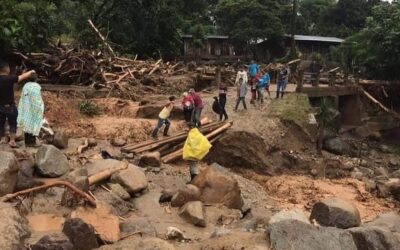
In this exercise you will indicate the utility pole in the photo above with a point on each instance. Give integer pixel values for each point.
(293, 28)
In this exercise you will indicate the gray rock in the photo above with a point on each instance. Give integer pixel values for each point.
(174, 233)
(167, 194)
(381, 171)
(336, 212)
(395, 174)
(375, 238)
(92, 142)
(101, 165)
(385, 149)
(184, 195)
(389, 221)
(118, 142)
(217, 186)
(82, 235)
(294, 214)
(294, 234)
(119, 191)
(8, 173)
(387, 187)
(61, 140)
(139, 243)
(151, 159)
(118, 206)
(394, 162)
(53, 242)
(219, 232)
(13, 227)
(25, 175)
(193, 212)
(337, 146)
(370, 185)
(51, 162)
(132, 225)
(132, 179)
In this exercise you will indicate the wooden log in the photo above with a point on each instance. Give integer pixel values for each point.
(122, 77)
(177, 140)
(154, 69)
(101, 37)
(395, 114)
(294, 61)
(106, 174)
(76, 191)
(130, 147)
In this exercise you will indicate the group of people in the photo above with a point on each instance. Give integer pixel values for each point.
(29, 113)
(192, 105)
(259, 82)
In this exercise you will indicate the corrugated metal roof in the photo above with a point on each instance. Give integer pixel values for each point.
(317, 38)
(208, 37)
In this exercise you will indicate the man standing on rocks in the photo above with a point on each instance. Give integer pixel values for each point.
(8, 109)
(198, 108)
(163, 118)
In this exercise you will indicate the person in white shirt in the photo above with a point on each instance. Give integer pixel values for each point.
(241, 74)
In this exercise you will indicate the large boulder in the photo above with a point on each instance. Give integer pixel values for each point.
(13, 227)
(51, 162)
(8, 172)
(294, 214)
(337, 146)
(150, 159)
(53, 242)
(240, 148)
(336, 212)
(132, 179)
(60, 140)
(82, 235)
(25, 175)
(193, 212)
(375, 238)
(387, 187)
(217, 186)
(294, 234)
(184, 195)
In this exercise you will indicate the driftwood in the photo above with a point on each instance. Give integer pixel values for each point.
(101, 37)
(74, 190)
(105, 174)
(370, 97)
(83, 147)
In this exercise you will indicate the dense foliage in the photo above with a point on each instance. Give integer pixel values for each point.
(153, 28)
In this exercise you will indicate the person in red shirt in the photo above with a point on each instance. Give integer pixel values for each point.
(188, 107)
(198, 108)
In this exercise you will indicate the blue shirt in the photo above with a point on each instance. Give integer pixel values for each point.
(253, 69)
(264, 81)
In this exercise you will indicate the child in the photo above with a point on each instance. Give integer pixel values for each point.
(163, 118)
(8, 110)
(188, 107)
(242, 92)
(30, 110)
(222, 101)
(263, 83)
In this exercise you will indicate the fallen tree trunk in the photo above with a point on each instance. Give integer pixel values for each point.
(74, 190)
(101, 37)
(370, 97)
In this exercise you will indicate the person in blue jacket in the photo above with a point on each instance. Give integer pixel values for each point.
(263, 84)
(253, 71)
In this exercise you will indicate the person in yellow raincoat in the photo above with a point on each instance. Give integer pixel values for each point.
(195, 149)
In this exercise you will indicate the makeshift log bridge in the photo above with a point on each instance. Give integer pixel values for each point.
(170, 148)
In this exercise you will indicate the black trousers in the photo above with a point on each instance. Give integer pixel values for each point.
(29, 139)
(8, 113)
(222, 104)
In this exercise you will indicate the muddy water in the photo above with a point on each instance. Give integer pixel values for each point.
(45, 222)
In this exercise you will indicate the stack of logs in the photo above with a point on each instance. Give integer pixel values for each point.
(171, 148)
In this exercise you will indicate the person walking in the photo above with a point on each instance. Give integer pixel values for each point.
(188, 107)
(223, 90)
(263, 85)
(30, 110)
(282, 80)
(253, 71)
(163, 118)
(242, 92)
(198, 108)
(8, 110)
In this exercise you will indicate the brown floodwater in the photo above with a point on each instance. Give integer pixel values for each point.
(45, 222)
